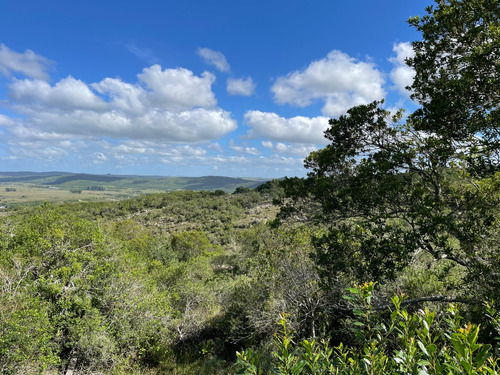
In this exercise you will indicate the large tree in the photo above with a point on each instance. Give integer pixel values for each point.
(393, 189)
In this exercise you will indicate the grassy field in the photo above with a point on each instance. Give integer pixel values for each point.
(22, 194)
(22, 188)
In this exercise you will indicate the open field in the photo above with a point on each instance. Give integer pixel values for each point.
(22, 194)
(21, 188)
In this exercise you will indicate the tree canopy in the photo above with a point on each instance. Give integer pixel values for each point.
(392, 188)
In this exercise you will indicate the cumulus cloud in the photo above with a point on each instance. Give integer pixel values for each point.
(247, 165)
(240, 86)
(298, 129)
(402, 75)
(127, 97)
(165, 116)
(171, 105)
(178, 89)
(67, 94)
(28, 63)
(214, 58)
(338, 79)
(198, 125)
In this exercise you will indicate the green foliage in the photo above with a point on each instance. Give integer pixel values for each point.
(241, 190)
(179, 282)
(457, 73)
(191, 244)
(26, 335)
(403, 343)
(392, 191)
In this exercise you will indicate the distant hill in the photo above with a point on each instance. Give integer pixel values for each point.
(82, 181)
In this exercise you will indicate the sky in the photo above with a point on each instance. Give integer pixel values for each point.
(192, 88)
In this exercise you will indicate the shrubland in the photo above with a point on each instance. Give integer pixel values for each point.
(383, 260)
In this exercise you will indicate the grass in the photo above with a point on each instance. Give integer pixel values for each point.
(56, 187)
(25, 194)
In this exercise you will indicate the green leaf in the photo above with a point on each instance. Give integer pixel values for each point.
(466, 365)
(458, 345)
(423, 348)
(482, 355)
(432, 348)
(358, 312)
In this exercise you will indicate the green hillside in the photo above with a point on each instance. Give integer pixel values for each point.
(17, 188)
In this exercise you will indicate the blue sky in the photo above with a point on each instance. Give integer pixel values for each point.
(191, 88)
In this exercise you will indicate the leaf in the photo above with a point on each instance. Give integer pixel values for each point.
(423, 348)
(358, 312)
(472, 337)
(458, 345)
(482, 355)
(423, 363)
(466, 365)
(426, 326)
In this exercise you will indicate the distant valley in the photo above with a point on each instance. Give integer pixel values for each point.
(17, 188)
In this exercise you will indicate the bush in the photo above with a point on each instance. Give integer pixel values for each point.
(418, 343)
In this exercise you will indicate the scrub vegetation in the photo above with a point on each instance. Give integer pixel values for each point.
(385, 259)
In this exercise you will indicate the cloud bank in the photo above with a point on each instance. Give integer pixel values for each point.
(171, 116)
(171, 105)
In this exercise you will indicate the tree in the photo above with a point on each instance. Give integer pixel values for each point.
(457, 65)
(393, 190)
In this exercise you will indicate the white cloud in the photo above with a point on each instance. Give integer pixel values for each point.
(150, 148)
(99, 158)
(240, 86)
(298, 129)
(67, 94)
(28, 63)
(214, 58)
(246, 163)
(178, 89)
(174, 105)
(6, 121)
(127, 97)
(289, 149)
(198, 125)
(402, 75)
(338, 80)
(215, 146)
(40, 150)
(244, 149)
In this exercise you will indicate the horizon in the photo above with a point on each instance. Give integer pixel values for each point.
(141, 175)
(191, 89)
